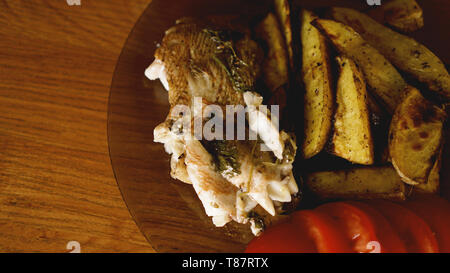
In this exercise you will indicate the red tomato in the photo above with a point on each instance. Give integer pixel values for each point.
(357, 225)
(368, 229)
(388, 237)
(436, 212)
(283, 238)
(324, 231)
(413, 230)
(422, 225)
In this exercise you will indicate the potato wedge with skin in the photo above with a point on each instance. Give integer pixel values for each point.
(352, 137)
(283, 11)
(403, 15)
(384, 80)
(359, 183)
(415, 137)
(404, 52)
(275, 67)
(433, 182)
(318, 98)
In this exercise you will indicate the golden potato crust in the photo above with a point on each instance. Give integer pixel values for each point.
(352, 136)
(384, 80)
(318, 98)
(415, 137)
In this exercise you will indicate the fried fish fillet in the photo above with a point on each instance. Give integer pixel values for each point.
(193, 61)
(232, 178)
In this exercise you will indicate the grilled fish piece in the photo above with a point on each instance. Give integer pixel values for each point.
(232, 178)
(217, 195)
(195, 60)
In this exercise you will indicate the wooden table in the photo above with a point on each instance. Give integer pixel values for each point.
(56, 181)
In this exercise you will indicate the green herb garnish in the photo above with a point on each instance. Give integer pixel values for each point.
(226, 57)
(225, 156)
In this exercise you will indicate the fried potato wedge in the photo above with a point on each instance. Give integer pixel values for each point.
(316, 75)
(352, 137)
(415, 137)
(384, 80)
(283, 11)
(275, 67)
(404, 52)
(403, 15)
(359, 183)
(433, 183)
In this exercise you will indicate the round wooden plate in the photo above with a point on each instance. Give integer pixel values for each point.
(168, 212)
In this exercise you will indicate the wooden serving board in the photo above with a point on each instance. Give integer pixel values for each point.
(168, 212)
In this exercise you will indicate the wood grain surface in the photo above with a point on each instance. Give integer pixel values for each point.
(56, 181)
